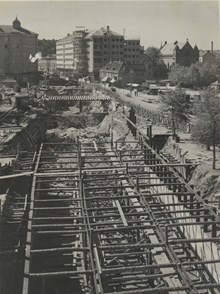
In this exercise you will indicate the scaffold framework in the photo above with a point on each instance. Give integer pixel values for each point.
(107, 217)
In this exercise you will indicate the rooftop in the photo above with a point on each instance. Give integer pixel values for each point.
(113, 66)
(169, 47)
(15, 28)
(102, 32)
(203, 52)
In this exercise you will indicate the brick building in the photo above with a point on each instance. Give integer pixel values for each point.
(16, 45)
(179, 53)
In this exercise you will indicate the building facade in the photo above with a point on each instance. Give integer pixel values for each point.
(133, 51)
(71, 54)
(121, 73)
(179, 53)
(207, 57)
(16, 45)
(86, 52)
(103, 45)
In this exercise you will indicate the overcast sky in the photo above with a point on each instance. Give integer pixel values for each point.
(152, 21)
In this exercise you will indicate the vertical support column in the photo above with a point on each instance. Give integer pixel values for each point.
(214, 226)
(198, 207)
(191, 199)
(137, 184)
(126, 168)
(206, 218)
(145, 154)
(80, 106)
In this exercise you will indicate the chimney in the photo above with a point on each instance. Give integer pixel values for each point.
(107, 28)
(212, 47)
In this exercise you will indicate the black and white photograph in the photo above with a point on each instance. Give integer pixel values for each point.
(109, 147)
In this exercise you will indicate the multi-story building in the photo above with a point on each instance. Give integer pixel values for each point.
(90, 51)
(103, 45)
(72, 54)
(16, 45)
(132, 50)
(179, 53)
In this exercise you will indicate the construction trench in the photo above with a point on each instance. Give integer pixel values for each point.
(105, 214)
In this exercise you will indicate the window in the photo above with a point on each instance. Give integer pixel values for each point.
(113, 46)
(113, 52)
(6, 46)
(105, 46)
(133, 49)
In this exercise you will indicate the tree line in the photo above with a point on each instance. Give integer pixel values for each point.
(206, 110)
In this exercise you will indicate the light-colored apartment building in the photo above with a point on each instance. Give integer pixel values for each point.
(71, 52)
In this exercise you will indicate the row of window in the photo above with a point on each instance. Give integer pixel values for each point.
(130, 56)
(6, 46)
(106, 39)
(129, 49)
(131, 43)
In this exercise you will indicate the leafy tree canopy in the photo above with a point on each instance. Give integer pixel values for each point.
(177, 104)
(159, 67)
(206, 129)
(197, 75)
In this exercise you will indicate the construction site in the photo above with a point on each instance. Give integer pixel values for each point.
(94, 201)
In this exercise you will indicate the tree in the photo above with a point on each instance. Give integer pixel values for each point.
(197, 75)
(206, 129)
(178, 74)
(177, 105)
(159, 67)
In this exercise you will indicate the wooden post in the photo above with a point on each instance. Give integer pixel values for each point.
(137, 183)
(80, 106)
(206, 218)
(126, 167)
(214, 226)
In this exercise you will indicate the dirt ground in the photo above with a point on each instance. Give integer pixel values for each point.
(205, 179)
